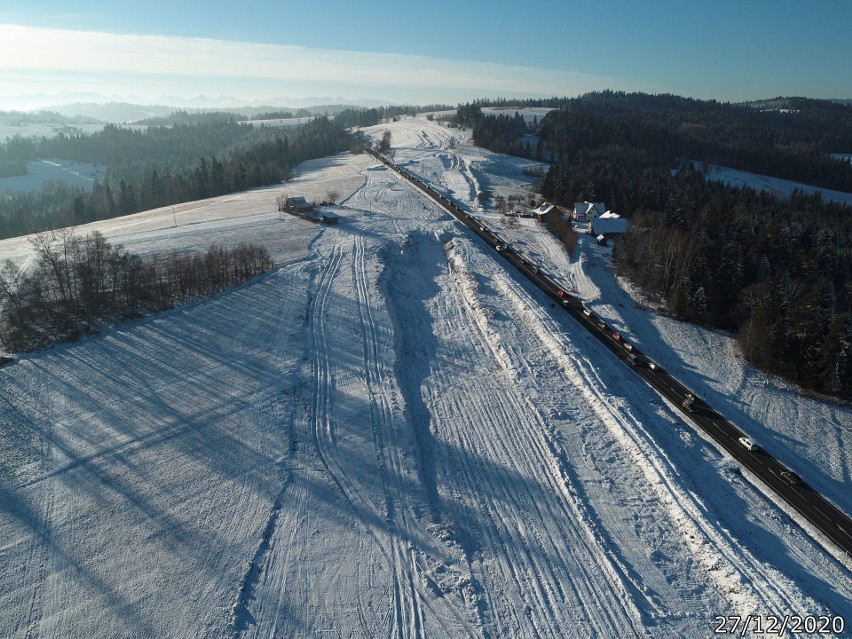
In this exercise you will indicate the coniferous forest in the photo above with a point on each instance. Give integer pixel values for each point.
(80, 283)
(157, 166)
(774, 270)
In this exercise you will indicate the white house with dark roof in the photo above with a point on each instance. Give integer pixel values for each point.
(586, 211)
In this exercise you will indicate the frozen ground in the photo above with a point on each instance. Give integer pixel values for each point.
(529, 114)
(45, 130)
(782, 187)
(39, 172)
(390, 435)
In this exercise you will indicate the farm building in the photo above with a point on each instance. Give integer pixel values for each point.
(326, 217)
(609, 224)
(544, 209)
(298, 204)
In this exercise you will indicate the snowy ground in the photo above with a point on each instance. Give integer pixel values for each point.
(45, 130)
(530, 114)
(39, 172)
(760, 182)
(392, 435)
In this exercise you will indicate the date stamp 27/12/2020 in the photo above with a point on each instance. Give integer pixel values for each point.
(750, 625)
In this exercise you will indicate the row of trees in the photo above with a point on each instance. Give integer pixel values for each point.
(370, 117)
(79, 282)
(161, 166)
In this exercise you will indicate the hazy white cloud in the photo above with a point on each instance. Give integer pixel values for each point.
(33, 59)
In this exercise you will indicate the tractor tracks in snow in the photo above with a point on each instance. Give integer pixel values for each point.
(387, 518)
(544, 550)
(407, 611)
(728, 564)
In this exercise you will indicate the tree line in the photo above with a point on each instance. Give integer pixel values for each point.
(793, 143)
(371, 116)
(159, 166)
(79, 283)
(197, 116)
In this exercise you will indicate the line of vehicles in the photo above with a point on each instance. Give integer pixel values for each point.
(793, 489)
(627, 351)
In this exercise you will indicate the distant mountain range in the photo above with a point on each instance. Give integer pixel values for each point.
(134, 108)
(84, 107)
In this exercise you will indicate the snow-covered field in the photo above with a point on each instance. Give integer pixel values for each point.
(780, 186)
(392, 434)
(530, 114)
(45, 130)
(39, 172)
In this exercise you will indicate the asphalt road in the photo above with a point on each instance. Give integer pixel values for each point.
(832, 522)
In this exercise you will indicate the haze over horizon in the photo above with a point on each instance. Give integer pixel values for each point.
(401, 53)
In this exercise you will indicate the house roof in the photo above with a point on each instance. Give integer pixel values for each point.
(604, 225)
(589, 208)
(298, 201)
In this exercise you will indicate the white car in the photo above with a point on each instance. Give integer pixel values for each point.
(747, 443)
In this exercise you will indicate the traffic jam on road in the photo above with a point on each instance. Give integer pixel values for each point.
(788, 485)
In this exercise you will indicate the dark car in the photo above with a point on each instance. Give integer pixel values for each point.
(791, 478)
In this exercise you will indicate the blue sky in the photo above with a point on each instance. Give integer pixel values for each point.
(425, 52)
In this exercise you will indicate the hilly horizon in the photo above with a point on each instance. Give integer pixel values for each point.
(119, 109)
(425, 321)
(391, 432)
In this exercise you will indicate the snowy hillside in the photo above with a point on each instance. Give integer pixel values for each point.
(779, 186)
(392, 434)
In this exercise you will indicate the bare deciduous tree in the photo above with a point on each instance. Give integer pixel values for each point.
(78, 282)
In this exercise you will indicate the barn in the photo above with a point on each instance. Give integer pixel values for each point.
(298, 204)
(609, 225)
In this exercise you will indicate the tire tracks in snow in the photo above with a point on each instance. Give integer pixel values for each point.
(407, 611)
(267, 407)
(406, 616)
(384, 509)
(390, 430)
(728, 564)
(531, 535)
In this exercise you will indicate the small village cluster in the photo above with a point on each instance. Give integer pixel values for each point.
(603, 224)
